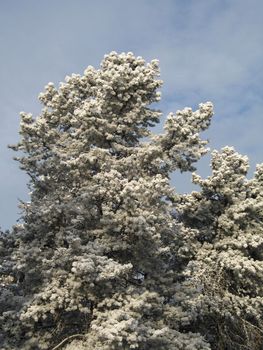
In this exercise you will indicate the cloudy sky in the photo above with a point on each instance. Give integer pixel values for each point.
(208, 50)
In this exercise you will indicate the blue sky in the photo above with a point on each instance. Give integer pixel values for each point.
(208, 50)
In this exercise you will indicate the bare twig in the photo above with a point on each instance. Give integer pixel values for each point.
(252, 325)
(67, 339)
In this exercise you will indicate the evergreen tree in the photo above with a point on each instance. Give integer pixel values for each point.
(99, 258)
(228, 265)
(108, 255)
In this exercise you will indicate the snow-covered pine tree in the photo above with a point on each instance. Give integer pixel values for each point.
(228, 268)
(98, 254)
